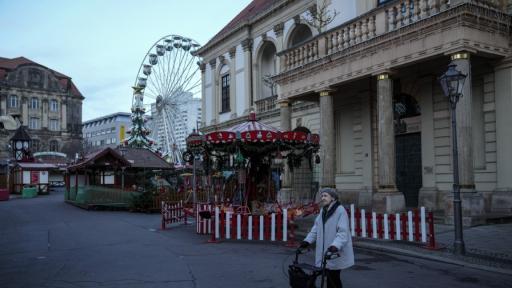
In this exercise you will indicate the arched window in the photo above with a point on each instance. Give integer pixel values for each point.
(267, 69)
(225, 82)
(54, 145)
(404, 106)
(301, 33)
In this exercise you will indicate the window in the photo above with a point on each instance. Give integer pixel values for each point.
(225, 93)
(54, 125)
(54, 146)
(114, 140)
(35, 145)
(54, 106)
(13, 101)
(34, 103)
(33, 123)
(380, 2)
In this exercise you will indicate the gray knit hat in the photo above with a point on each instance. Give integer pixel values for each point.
(330, 191)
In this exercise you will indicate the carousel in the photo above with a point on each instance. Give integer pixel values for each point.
(242, 165)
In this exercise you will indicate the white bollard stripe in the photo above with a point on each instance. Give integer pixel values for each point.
(228, 225)
(423, 226)
(409, 218)
(363, 223)
(374, 225)
(386, 227)
(249, 234)
(217, 223)
(352, 221)
(273, 227)
(397, 225)
(238, 226)
(261, 227)
(285, 225)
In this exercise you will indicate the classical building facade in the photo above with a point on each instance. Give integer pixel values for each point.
(45, 101)
(367, 82)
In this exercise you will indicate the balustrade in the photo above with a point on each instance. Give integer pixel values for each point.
(266, 104)
(389, 17)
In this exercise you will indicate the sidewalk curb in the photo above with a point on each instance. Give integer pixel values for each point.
(404, 252)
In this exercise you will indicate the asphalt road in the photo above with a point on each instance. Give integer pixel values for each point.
(47, 243)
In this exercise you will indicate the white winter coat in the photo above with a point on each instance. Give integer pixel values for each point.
(335, 232)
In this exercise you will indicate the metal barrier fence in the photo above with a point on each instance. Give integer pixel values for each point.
(413, 226)
(173, 213)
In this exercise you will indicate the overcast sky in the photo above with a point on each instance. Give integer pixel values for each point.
(100, 43)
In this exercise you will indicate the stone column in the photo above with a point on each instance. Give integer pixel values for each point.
(24, 110)
(464, 131)
(45, 113)
(3, 104)
(472, 201)
(388, 198)
(247, 48)
(502, 196)
(429, 196)
(215, 109)
(278, 30)
(64, 116)
(232, 84)
(202, 67)
(327, 139)
(286, 125)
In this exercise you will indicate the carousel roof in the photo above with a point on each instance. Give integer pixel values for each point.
(249, 131)
(252, 125)
(253, 131)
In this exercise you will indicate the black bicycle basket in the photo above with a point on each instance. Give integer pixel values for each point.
(299, 278)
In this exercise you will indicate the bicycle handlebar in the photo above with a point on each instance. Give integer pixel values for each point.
(329, 255)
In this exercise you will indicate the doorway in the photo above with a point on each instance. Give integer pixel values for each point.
(408, 167)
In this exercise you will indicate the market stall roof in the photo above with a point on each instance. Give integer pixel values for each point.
(94, 159)
(143, 158)
(36, 166)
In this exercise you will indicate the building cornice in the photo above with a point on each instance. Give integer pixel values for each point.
(219, 39)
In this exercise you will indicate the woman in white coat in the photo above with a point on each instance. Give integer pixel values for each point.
(331, 233)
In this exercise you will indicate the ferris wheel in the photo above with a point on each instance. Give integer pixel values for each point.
(169, 74)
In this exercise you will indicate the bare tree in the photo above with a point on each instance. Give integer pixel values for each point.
(319, 16)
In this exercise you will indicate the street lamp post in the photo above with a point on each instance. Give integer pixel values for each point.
(452, 82)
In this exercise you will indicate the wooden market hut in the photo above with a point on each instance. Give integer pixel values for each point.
(108, 176)
(29, 174)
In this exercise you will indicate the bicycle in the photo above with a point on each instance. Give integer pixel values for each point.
(303, 275)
